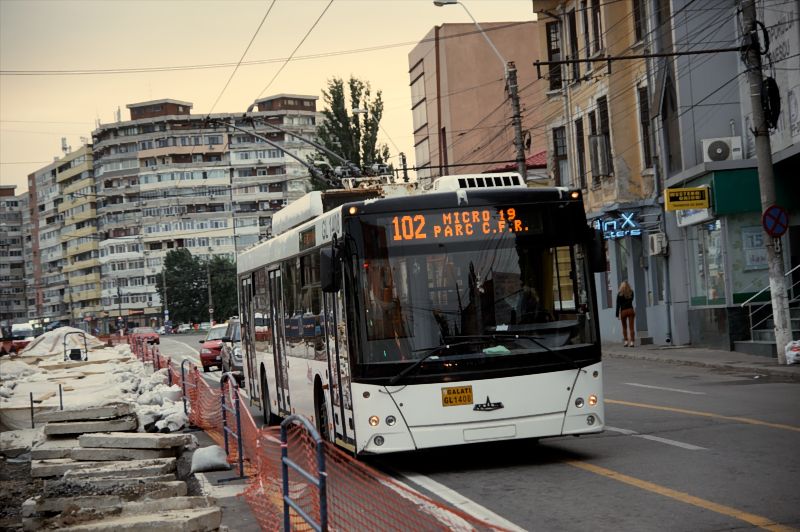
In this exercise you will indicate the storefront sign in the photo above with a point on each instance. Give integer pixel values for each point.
(620, 227)
(694, 216)
(679, 199)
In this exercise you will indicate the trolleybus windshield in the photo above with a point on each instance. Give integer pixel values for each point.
(499, 285)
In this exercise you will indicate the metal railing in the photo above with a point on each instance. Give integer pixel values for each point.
(320, 482)
(753, 311)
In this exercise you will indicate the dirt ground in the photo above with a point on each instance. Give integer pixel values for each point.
(16, 486)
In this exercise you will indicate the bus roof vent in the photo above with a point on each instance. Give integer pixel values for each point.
(466, 181)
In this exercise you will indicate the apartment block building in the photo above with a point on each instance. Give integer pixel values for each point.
(46, 224)
(169, 179)
(79, 241)
(460, 107)
(13, 308)
(597, 122)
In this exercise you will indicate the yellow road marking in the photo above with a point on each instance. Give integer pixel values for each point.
(707, 414)
(755, 520)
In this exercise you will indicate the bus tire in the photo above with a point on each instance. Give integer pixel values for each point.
(321, 412)
(269, 418)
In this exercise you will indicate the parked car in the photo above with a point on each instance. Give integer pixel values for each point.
(184, 328)
(148, 333)
(205, 326)
(211, 346)
(21, 334)
(232, 350)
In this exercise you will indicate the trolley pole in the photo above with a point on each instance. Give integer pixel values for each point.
(766, 181)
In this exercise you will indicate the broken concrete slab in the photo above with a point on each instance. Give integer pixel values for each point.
(101, 454)
(53, 448)
(130, 468)
(58, 466)
(85, 414)
(190, 520)
(175, 490)
(102, 485)
(62, 466)
(80, 427)
(135, 440)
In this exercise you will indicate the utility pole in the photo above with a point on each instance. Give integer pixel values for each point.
(164, 303)
(119, 302)
(516, 119)
(210, 301)
(766, 180)
(404, 164)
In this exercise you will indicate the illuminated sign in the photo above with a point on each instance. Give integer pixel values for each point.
(679, 199)
(620, 227)
(462, 224)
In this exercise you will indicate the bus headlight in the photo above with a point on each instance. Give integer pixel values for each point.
(590, 420)
(374, 420)
(579, 402)
(391, 420)
(592, 400)
(378, 440)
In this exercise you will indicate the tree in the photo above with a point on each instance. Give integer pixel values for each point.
(354, 136)
(185, 279)
(222, 272)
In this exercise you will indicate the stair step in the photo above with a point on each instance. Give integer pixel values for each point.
(766, 349)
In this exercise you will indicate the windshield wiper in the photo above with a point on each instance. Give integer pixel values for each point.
(535, 339)
(431, 351)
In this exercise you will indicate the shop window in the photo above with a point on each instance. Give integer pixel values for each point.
(707, 264)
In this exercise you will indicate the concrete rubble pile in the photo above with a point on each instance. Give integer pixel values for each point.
(106, 444)
(99, 478)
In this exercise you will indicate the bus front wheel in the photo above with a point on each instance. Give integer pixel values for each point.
(322, 414)
(269, 419)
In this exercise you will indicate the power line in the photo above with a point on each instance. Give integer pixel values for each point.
(174, 68)
(295, 50)
(253, 38)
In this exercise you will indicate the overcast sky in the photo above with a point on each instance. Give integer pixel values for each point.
(369, 39)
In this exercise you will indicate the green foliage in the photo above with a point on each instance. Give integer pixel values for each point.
(186, 278)
(353, 136)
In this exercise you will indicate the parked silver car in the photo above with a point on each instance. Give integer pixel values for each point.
(232, 350)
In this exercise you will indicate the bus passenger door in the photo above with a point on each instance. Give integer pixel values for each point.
(339, 370)
(279, 342)
(247, 343)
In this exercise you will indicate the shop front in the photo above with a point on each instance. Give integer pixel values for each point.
(726, 256)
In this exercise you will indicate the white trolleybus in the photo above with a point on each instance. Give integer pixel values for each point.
(396, 320)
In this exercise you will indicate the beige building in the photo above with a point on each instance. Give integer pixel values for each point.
(597, 123)
(461, 111)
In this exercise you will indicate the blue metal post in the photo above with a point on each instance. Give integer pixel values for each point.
(239, 437)
(285, 476)
(224, 416)
(183, 385)
(320, 481)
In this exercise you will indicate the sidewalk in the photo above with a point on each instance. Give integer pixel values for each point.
(707, 358)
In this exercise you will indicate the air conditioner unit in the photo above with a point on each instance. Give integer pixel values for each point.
(598, 154)
(657, 243)
(722, 149)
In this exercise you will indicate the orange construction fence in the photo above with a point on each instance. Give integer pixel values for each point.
(358, 496)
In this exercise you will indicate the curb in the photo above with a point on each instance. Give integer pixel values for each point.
(785, 372)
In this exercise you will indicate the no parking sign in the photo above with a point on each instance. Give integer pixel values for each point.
(775, 221)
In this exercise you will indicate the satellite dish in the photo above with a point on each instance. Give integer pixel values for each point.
(719, 150)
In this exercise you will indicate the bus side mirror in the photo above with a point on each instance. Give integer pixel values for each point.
(597, 252)
(330, 271)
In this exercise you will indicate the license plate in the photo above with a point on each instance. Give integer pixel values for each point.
(457, 396)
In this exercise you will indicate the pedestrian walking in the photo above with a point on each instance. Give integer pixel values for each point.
(626, 314)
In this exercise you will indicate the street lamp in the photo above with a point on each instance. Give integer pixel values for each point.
(510, 72)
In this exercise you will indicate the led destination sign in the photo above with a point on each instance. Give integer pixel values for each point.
(462, 224)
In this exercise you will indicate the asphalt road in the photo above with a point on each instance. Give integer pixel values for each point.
(685, 448)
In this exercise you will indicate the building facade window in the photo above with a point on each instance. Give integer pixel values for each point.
(638, 20)
(553, 54)
(605, 129)
(597, 27)
(644, 125)
(573, 45)
(560, 159)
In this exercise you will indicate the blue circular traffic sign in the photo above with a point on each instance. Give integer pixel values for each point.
(775, 221)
